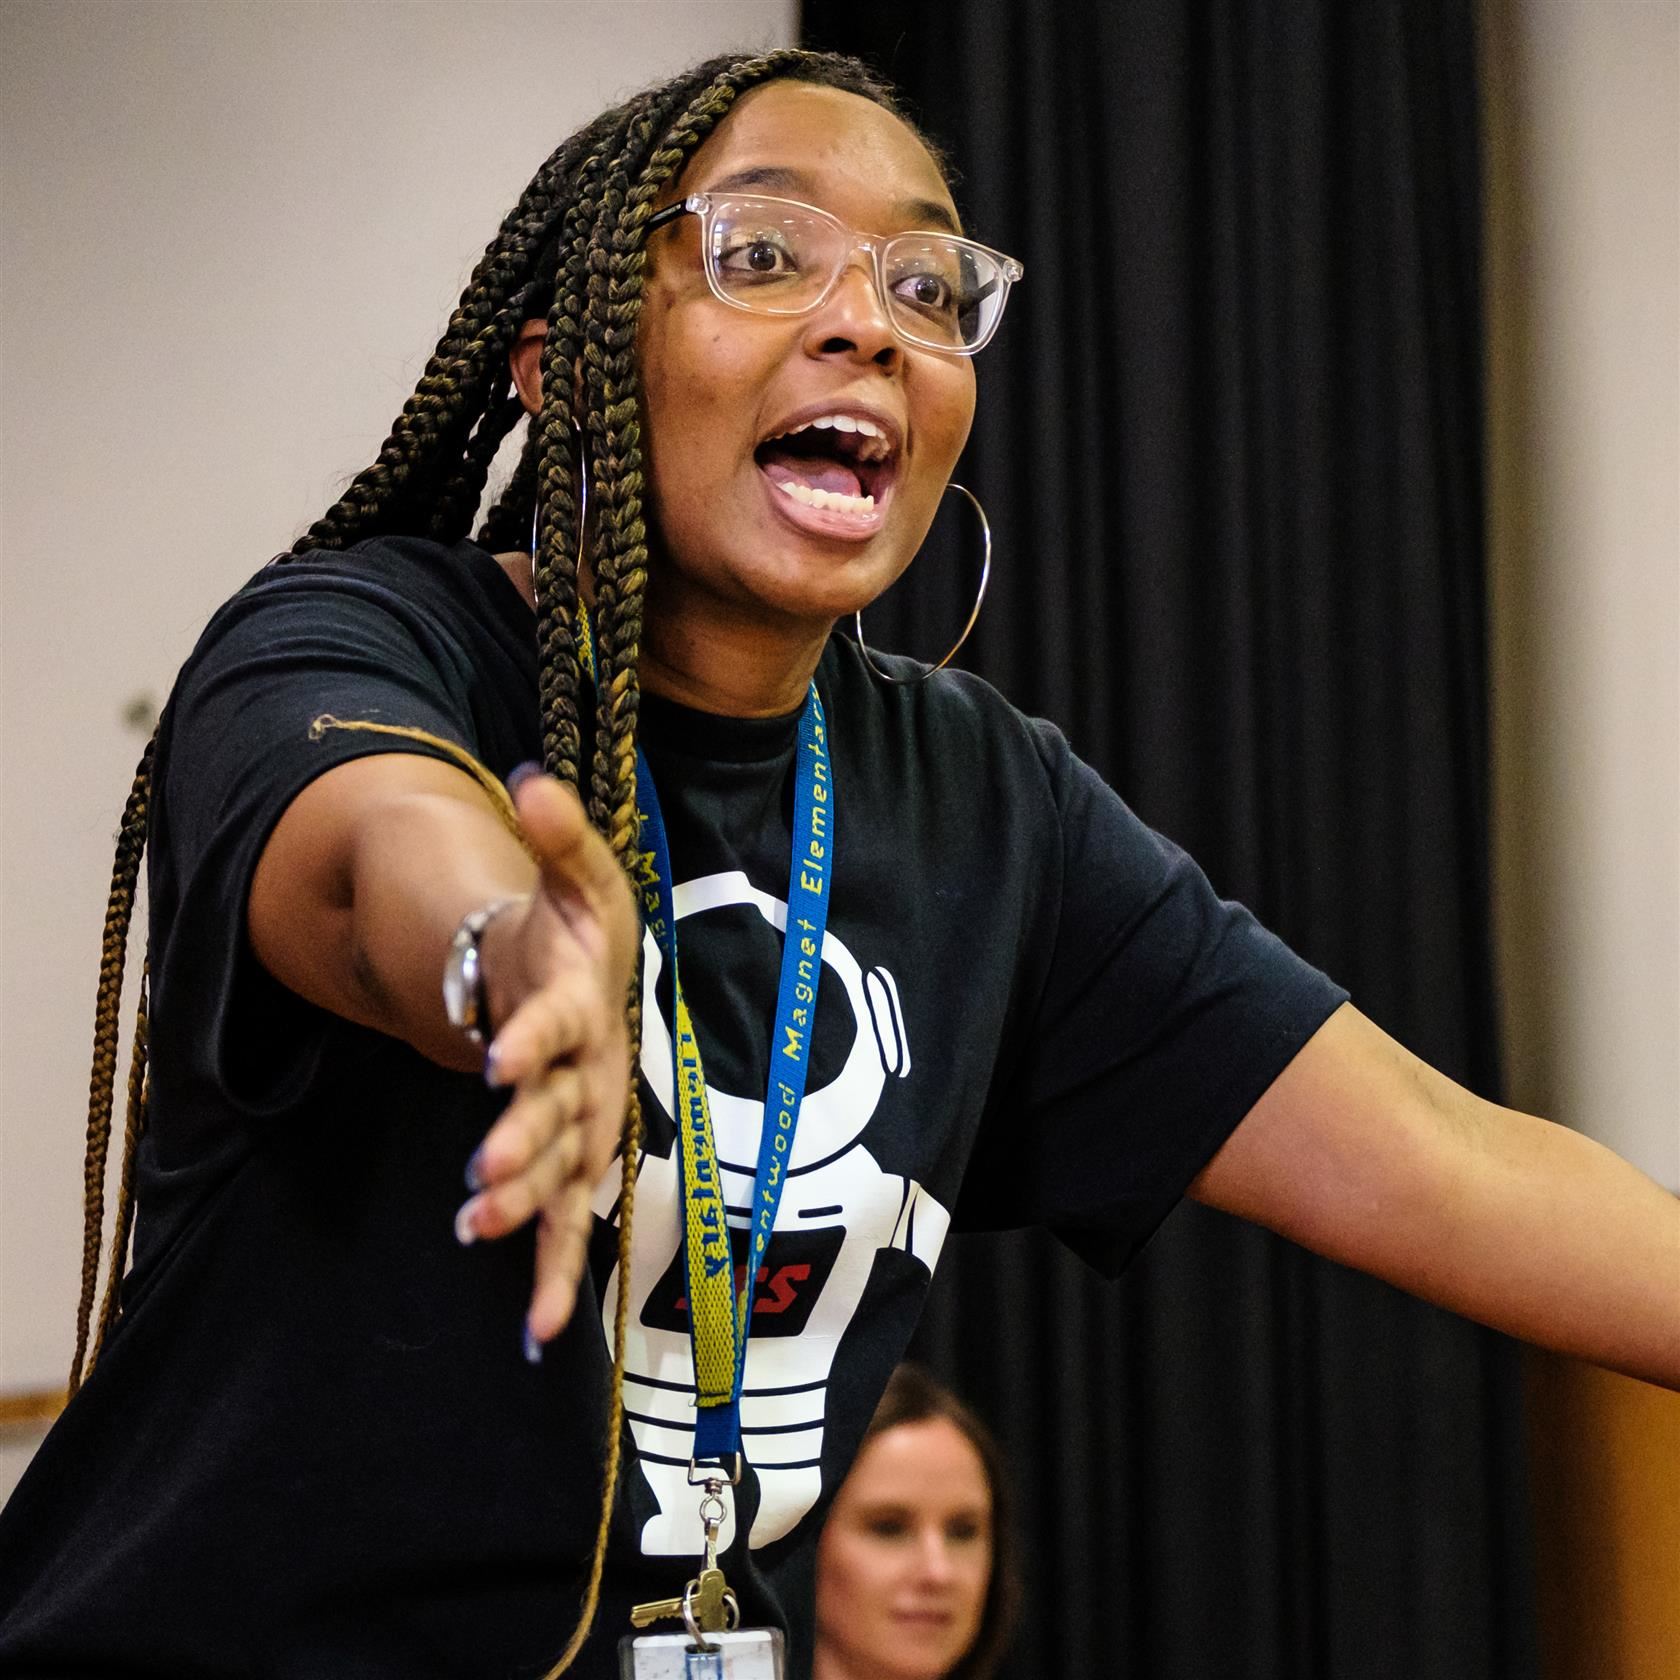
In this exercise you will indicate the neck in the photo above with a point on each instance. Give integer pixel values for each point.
(829, 1663)
(709, 656)
(722, 663)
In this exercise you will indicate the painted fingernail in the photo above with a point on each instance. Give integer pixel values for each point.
(475, 1171)
(520, 774)
(464, 1232)
(493, 1068)
(533, 1348)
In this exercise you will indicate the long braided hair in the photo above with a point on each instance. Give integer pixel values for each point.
(574, 246)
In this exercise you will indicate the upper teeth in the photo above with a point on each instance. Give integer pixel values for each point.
(876, 449)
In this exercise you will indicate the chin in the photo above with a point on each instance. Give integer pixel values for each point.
(907, 1662)
(774, 568)
(822, 589)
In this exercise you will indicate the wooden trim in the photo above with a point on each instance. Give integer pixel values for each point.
(30, 1408)
(1605, 1474)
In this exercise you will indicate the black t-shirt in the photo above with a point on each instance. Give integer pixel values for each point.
(312, 1446)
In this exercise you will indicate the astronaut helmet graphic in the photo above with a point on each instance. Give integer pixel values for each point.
(833, 1116)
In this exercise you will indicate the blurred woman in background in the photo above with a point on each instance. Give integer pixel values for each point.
(917, 1572)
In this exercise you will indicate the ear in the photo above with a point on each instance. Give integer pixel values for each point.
(525, 360)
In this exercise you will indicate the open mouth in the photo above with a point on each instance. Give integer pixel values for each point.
(835, 463)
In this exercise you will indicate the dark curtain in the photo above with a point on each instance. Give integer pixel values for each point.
(1230, 442)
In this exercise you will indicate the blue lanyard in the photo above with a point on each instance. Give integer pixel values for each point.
(720, 1315)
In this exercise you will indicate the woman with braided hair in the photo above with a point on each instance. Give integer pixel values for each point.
(334, 1418)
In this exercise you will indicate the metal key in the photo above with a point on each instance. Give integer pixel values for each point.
(660, 1610)
(709, 1602)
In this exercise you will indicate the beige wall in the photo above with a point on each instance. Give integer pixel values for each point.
(233, 231)
(1583, 105)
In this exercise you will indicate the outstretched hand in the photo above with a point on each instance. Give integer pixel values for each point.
(557, 969)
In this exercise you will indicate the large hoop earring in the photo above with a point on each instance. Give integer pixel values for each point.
(582, 502)
(974, 612)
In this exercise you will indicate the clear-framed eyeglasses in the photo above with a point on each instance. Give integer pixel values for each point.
(775, 256)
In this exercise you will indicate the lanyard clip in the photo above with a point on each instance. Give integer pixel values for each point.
(713, 1473)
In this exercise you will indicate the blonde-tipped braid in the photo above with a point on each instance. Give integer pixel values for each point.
(119, 915)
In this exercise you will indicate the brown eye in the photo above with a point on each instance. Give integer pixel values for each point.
(757, 256)
(928, 293)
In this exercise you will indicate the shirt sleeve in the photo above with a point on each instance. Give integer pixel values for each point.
(1164, 1014)
(238, 742)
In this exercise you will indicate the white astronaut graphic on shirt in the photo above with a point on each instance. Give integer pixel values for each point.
(838, 1210)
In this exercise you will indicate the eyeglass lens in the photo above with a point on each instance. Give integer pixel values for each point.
(779, 259)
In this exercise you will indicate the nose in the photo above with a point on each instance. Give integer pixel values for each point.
(852, 320)
(933, 1557)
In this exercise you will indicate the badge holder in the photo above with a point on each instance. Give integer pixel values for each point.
(716, 1646)
(744, 1654)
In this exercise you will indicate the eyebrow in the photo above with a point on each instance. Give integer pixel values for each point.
(917, 212)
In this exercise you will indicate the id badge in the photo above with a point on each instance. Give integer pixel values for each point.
(745, 1654)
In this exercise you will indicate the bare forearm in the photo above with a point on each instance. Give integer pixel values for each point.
(1363, 1153)
(423, 865)
(1555, 1239)
(365, 880)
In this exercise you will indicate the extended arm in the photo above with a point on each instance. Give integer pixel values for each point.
(1367, 1155)
(354, 901)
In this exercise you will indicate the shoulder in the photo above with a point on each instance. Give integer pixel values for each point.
(911, 697)
(433, 637)
(452, 604)
(453, 579)
(949, 724)
(951, 752)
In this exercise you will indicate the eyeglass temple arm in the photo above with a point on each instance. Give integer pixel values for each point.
(662, 218)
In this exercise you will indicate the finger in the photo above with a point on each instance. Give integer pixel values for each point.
(576, 862)
(562, 1250)
(603, 1120)
(495, 1213)
(507, 1205)
(538, 1113)
(566, 1015)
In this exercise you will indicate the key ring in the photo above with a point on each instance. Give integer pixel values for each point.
(732, 1615)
